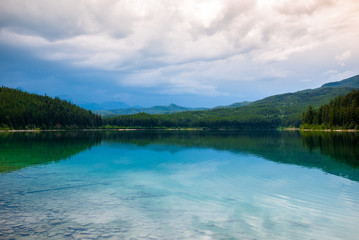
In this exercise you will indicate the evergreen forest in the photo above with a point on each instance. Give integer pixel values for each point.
(325, 107)
(341, 112)
(21, 110)
(284, 110)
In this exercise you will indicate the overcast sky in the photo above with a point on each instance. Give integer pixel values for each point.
(189, 52)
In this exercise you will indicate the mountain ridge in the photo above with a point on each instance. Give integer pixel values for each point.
(171, 108)
(282, 110)
(162, 109)
(352, 82)
(20, 109)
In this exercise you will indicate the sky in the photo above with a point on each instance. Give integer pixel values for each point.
(200, 53)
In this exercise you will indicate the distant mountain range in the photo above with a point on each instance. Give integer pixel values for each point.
(289, 103)
(92, 105)
(104, 105)
(275, 111)
(19, 109)
(113, 108)
(172, 108)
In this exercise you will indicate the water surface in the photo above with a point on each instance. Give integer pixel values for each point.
(179, 185)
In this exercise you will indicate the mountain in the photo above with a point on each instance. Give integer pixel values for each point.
(104, 105)
(288, 108)
(172, 108)
(352, 82)
(281, 110)
(91, 105)
(19, 109)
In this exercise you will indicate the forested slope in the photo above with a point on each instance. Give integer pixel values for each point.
(352, 82)
(20, 110)
(23, 110)
(276, 111)
(341, 112)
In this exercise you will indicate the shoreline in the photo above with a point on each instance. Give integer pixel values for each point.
(169, 129)
(99, 130)
(320, 130)
(67, 130)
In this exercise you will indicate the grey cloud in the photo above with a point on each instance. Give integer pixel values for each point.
(63, 19)
(167, 43)
(48, 19)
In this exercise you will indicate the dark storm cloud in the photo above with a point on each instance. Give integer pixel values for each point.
(164, 47)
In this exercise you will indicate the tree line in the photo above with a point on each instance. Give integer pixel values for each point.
(284, 110)
(341, 112)
(194, 119)
(21, 110)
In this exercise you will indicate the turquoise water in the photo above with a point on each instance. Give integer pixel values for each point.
(179, 185)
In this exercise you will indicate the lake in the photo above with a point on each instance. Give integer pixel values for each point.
(179, 185)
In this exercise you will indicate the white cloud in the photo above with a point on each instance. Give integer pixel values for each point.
(343, 57)
(185, 46)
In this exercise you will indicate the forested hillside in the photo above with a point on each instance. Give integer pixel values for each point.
(20, 110)
(341, 112)
(352, 82)
(276, 111)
